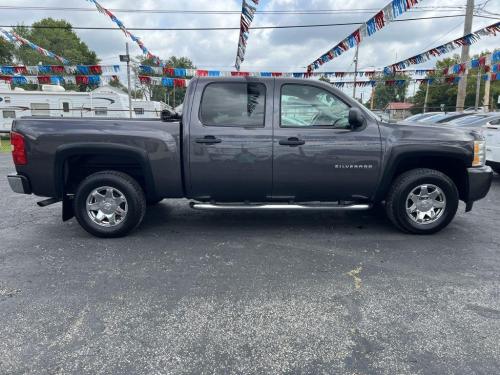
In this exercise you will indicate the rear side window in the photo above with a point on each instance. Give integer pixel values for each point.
(233, 104)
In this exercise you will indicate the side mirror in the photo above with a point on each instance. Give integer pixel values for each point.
(356, 118)
(167, 115)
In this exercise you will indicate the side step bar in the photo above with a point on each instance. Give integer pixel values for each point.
(278, 206)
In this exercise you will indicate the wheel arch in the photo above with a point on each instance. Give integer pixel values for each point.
(67, 157)
(454, 165)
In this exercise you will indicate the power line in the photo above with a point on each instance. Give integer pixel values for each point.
(442, 36)
(219, 12)
(232, 28)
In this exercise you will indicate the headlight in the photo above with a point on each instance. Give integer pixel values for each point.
(479, 153)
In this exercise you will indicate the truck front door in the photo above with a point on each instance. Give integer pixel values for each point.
(317, 156)
(230, 140)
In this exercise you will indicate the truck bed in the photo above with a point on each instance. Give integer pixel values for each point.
(51, 141)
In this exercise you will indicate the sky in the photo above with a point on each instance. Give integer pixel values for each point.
(268, 50)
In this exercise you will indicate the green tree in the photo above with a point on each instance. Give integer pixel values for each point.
(6, 57)
(385, 94)
(61, 40)
(166, 94)
(446, 93)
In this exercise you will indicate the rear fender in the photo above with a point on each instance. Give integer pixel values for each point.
(64, 152)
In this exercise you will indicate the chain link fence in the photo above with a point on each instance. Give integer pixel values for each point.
(4, 142)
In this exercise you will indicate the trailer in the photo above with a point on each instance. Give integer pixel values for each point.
(55, 101)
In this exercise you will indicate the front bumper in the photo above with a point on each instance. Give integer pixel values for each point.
(479, 183)
(19, 184)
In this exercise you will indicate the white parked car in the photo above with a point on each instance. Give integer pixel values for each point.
(491, 132)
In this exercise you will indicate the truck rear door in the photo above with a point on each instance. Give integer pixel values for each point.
(230, 140)
(317, 156)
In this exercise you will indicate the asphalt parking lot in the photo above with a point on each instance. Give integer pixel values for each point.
(218, 293)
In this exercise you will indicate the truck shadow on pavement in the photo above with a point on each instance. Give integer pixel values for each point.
(180, 217)
(176, 215)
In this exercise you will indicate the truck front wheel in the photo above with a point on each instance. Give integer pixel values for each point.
(422, 201)
(109, 204)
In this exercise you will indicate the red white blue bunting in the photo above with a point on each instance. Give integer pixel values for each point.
(18, 40)
(495, 56)
(468, 39)
(163, 81)
(452, 80)
(93, 80)
(59, 69)
(96, 80)
(247, 13)
(127, 33)
(491, 77)
(383, 17)
(182, 72)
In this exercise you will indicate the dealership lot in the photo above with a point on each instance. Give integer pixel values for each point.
(213, 292)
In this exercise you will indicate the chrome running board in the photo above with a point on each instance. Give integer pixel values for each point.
(279, 206)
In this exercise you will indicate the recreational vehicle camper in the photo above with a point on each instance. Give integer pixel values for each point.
(52, 100)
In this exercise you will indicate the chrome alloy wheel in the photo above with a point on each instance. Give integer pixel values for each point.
(106, 206)
(425, 204)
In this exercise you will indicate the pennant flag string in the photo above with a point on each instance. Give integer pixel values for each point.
(127, 33)
(479, 62)
(146, 70)
(59, 69)
(95, 80)
(383, 17)
(247, 14)
(468, 39)
(182, 72)
(399, 82)
(18, 40)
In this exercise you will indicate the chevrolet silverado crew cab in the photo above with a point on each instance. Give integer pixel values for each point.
(247, 143)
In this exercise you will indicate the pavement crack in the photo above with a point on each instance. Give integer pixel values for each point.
(355, 275)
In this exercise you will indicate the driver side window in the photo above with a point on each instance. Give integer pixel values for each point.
(309, 106)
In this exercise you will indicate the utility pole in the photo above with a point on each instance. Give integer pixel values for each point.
(126, 58)
(462, 84)
(426, 96)
(478, 88)
(486, 99)
(355, 72)
(128, 83)
(372, 99)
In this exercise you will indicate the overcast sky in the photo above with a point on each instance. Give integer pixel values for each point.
(269, 50)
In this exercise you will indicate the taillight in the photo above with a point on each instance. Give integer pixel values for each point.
(18, 149)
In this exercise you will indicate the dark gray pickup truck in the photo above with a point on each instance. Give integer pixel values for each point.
(250, 144)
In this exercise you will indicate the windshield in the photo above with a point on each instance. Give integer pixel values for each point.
(468, 119)
(416, 117)
(435, 118)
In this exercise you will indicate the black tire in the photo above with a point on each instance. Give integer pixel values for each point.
(404, 184)
(131, 190)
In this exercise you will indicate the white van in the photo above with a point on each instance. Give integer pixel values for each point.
(491, 132)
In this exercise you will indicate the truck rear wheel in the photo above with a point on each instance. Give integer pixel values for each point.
(109, 204)
(422, 201)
